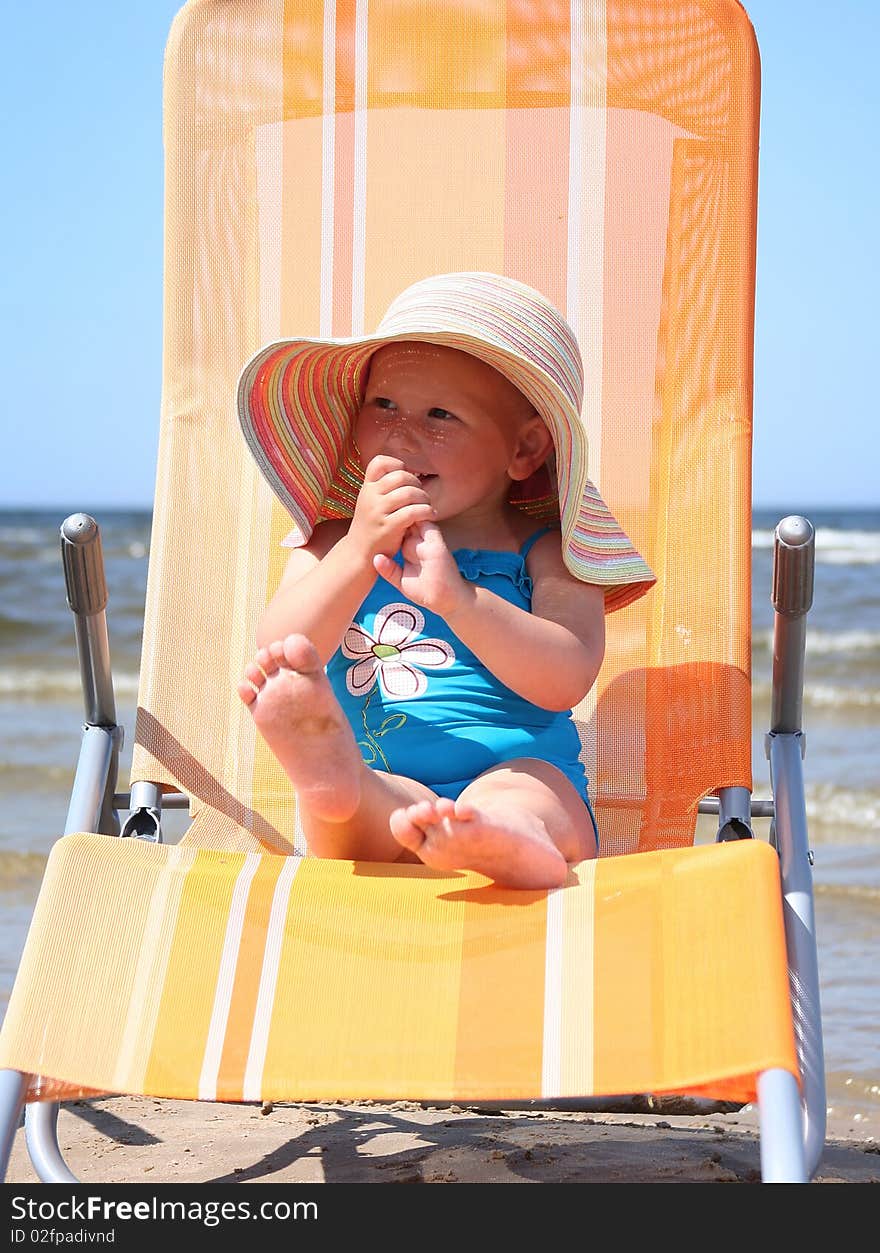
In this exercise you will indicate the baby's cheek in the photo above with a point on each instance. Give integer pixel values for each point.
(365, 438)
(439, 435)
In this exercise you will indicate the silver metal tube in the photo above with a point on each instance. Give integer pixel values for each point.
(41, 1132)
(145, 819)
(91, 801)
(83, 561)
(173, 800)
(779, 1111)
(87, 811)
(786, 772)
(97, 754)
(734, 812)
(13, 1086)
(792, 595)
(759, 807)
(93, 651)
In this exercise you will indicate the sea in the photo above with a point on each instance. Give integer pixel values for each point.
(41, 718)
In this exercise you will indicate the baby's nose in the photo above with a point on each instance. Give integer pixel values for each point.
(402, 437)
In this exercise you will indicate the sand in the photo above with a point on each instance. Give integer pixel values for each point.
(140, 1140)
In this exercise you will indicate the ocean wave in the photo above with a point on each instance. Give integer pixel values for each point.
(826, 696)
(831, 806)
(835, 547)
(854, 1094)
(17, 867)
(824, 643)
(33, 684)
(864, 893)
(36, 766)
(50, 554)
(25, 629)
(15, 535)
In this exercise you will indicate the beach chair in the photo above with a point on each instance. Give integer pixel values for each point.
(319, 159)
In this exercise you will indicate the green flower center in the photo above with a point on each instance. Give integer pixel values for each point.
(385, 650)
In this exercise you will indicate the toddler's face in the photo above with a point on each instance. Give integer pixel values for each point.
(454, 421)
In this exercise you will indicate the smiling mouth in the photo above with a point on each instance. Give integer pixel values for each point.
(425, 478)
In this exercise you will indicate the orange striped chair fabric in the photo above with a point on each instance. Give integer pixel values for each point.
(320, 157)
(235, 976)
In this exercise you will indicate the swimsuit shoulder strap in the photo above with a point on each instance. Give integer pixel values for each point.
(533, 539)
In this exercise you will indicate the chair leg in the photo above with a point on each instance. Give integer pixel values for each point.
(13, 1086)
(41, 1131)
(782, 1128)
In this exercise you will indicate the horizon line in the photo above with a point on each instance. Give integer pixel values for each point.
(66, 509)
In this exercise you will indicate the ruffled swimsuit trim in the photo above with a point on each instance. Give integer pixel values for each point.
(476, 563)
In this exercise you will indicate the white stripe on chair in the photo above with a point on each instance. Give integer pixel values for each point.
(586, 208)
(149, 976)
(253, 1075)
(359, 209)
(552, 1056)
(226, 979)
(328, 158)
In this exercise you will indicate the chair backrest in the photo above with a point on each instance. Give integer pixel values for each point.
(322, 157)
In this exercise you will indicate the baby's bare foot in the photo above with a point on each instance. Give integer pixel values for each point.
(298, 716)
(511, 846)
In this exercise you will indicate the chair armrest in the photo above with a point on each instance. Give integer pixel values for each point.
(792, 595)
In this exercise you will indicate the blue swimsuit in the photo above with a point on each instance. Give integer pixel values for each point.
(421, 704)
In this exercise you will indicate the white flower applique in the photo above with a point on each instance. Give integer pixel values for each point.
(394, 655)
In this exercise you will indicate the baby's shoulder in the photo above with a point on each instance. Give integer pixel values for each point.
(326, 534)
(544, 555)
(305, 557)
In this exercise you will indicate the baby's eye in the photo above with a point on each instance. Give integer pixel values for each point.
(437, 412)
(382, 402)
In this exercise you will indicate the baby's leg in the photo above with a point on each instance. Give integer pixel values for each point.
(522, 824)
(344, 805)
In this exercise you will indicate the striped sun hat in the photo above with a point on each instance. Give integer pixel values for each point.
(298, 400)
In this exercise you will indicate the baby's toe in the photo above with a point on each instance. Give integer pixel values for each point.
(247, 692)
(267, 661)
(405, 830)
(300, 654)
(423, 812)
(255, 674)
(464, 811)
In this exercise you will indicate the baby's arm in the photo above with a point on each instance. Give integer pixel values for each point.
(318, 594)
(550, 656)
(327, 579)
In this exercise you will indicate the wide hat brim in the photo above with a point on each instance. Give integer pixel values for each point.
(297, 403)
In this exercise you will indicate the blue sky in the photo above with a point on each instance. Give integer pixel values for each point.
(81, 216)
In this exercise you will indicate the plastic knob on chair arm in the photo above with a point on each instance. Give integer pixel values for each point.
(793, 565)
(83, 561)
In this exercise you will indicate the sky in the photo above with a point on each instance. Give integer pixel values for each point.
(81, 215)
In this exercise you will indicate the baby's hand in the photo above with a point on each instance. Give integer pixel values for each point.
(389, 503)
(429, 576)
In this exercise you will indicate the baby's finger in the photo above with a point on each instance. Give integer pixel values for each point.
(409, 515)
(409, 494)
(431, 536)
(388, 568)
(413, 538)
(433, 533)
(393, 480)
(378, 467)
(410, 546)
(414, 534)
